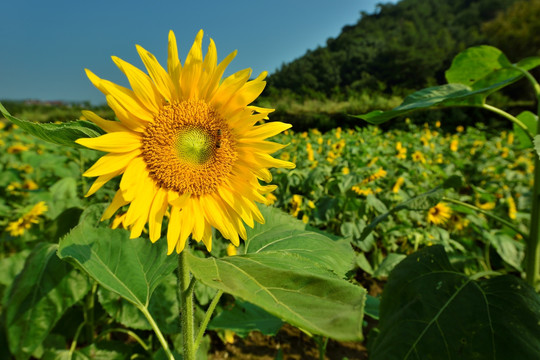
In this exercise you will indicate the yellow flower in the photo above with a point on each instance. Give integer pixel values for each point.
(439, 214)
(490, 205)
(512, 210)
(305, 219)
(401, 151)
(454, 144)
(510, 139)
(438, 124)
(400, 180)
(229, 336)
(460, 128)
(18, 227)
(418, 157)
(187, 140)
(309, 150)
(296, 205)
(311, 204)
(30, 185)
(39, 209)
(345, 171)
(360, 191)
(17, 148)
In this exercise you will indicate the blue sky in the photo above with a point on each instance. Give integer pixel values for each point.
(45, 45)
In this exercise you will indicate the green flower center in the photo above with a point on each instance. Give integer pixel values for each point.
(194, 145)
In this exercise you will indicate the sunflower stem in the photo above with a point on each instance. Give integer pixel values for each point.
(185, 295)
(532, 268)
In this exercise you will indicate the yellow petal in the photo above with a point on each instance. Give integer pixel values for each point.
(244, 96)
(173, 230)
(198, 217)
(107, 125)
(173, 63)
(130, 183)
(118, 142)
(158, 74)
(267, 130)
(159, 206)
(125, 97)
(126, 118)
(207, 237)
(214, 80)
(142, 85)
(112, 162)
(264, 146)
(100, 181)
(187, 221)
(117, 202)
(229, 86)
(191, 72)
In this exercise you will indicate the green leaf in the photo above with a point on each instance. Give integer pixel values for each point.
(537, 144)
(163, 307)
(61, 134)
(431, 311)
(39, 296)
(289, 292)
(130, 267)
(372, 307)
(244, 318)
(529, 63)
(474, 74)
(289, 238)
(475, 63)
(531, 121)
(287, 271)
(510, 250)
(388, 264)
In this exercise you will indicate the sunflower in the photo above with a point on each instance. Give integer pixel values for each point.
(439, 214)
(186, 142)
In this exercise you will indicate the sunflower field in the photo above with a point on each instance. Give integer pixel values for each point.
(414, 242)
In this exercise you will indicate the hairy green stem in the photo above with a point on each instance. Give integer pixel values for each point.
(533, 243)
(207, 317)
(510, 117)
(488, 214)
(185, 294)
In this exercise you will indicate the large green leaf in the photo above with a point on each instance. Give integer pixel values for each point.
(130, 267)
(61, 134)
(284, 236)
(530, 120)
(289, 272)
(163, 307)
(475, 63)
(39, 296)
(244, 318)
(431, 311)
(474, 74)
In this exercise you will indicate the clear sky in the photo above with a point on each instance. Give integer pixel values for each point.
(46, 45)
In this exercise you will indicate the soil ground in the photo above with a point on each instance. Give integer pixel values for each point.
(294, 345)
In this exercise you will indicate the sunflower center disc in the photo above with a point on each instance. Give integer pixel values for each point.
(189, 148)
(194, 145)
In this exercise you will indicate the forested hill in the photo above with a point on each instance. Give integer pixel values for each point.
(400, 47)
